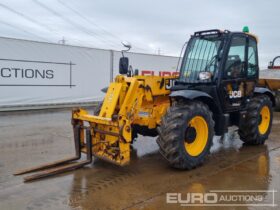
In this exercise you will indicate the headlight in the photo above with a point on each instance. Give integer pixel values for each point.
(205, 75)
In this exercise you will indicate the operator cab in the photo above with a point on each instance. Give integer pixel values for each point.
(222, 64)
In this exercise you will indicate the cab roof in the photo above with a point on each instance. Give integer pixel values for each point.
(218, 31)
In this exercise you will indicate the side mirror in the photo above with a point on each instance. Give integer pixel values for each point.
(123, 65)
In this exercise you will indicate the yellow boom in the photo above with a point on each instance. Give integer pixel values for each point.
(131, 104)
(129, 101)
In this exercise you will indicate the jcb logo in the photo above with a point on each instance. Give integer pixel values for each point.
(235, 94)
(169, 83)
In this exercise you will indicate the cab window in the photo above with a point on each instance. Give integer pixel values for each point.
(235, 67)
(252, 59)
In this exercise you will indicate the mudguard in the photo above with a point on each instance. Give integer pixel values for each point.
(190, 94)
(266, 91)
(220, 120)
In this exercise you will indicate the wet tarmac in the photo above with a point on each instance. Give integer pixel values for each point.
(31, 138)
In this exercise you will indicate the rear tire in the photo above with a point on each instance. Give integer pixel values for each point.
(277, 99)
(186, 134)
(257, 126)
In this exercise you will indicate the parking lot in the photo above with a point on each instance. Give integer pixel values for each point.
(32, 138)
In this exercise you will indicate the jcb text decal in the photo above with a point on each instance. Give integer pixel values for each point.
(235, 94)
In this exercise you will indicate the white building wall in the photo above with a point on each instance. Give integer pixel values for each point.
(147, 63)
(35, 73)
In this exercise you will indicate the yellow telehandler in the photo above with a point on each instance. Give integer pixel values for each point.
(217, 87)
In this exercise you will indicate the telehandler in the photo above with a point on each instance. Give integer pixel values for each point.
(217, 87)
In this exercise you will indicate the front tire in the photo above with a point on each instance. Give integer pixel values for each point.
(257, 126)
(186, 134)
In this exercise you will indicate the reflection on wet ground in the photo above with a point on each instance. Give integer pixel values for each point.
(31, 139)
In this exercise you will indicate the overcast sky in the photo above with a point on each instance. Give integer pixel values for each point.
(150, 26)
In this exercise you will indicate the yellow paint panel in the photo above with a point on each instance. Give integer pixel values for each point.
(273, 84)
(111, 99)
(139, 100)
(130, 100)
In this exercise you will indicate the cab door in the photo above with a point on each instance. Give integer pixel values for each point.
(236, 85)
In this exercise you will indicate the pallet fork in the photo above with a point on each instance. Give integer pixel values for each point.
(129, 101)
(64, 165)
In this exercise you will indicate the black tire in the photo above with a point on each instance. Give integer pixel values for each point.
(277, 99)
(249, 131)
(173, 131)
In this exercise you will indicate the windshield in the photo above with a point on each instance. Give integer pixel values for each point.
(201, 55)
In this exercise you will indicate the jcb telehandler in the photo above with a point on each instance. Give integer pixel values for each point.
(216, 88)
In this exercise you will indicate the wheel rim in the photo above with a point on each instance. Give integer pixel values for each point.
(265, 120)
(195, 146)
